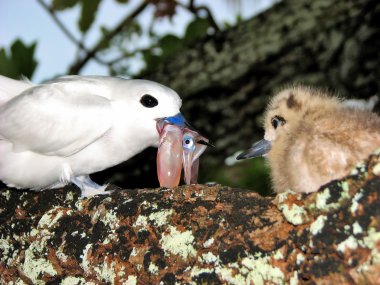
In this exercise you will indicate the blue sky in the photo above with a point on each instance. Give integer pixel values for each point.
(25, 19)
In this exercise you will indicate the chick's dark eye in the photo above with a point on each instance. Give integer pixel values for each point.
(148, 101)
(277, 121)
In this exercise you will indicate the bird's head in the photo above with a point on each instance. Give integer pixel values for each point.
(148, 102)
(285, 113)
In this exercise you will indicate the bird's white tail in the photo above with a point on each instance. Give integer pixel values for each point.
(10, 88)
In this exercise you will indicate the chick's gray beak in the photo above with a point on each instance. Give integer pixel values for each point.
(259, 148)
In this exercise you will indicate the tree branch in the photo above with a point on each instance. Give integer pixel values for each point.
(196, 9)
(53, 15)
(68, 34)
(78, 65)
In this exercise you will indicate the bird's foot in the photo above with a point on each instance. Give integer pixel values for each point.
(88, 187)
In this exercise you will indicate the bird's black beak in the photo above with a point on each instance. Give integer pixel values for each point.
(259, 148)
(205, 143)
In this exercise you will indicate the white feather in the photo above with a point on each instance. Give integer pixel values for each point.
(10, 88)
(63, 130)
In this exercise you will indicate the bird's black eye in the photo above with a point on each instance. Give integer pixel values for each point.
(277, 121)
(148, 101)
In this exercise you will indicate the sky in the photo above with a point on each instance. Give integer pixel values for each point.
(27, 20)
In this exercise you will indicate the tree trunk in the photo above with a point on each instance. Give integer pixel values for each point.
(195, 234)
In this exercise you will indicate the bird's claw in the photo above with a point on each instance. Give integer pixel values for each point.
(88, 187)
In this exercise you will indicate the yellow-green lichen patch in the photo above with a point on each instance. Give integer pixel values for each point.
(229, 276)
(73, 280)
(300, 258)
(345, 187)
(86, 264)
(153, 269)
(196, 271)
(370, 242)
(371, 239)
(34, 267)
(278, 255)
(321, 199)
(295, 214)
(141, 222)
(79, 205)
(179, 243)
(317, 226)
(50, 218)
(132, 280)
(360, 167)
(355, 203)
(8, 252)
(208, 258)
(110, 219)
(294, 279)
(350, 243)
(106, 272)
(356, 228)
(262, 272)
(159, 218)
(69, 196)
(208, 243)
(6, 194)
(376, 169)
(282, 197)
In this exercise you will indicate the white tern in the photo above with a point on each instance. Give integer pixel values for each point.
(61, 131)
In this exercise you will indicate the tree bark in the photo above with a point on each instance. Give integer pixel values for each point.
(198, 234)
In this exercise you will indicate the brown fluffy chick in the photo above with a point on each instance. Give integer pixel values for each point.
(312, 138)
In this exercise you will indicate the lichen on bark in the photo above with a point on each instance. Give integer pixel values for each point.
(208, 234)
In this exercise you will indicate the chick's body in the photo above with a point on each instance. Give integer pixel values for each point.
(315, 138)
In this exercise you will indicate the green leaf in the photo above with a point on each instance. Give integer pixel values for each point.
(151, 60)
(7, 67)
(88, 13)
(59, 5)
(122, 1)
(20, 60)
(22, 56)
(196, 29)
(170, 44)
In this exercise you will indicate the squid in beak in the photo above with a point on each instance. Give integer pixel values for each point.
(193, 147)
(179, 146)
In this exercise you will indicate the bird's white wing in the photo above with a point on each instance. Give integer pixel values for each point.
(55, 120)
(10, 88)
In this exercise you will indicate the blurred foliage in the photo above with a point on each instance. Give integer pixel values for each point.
(88, 11)
(243, 174)
(19, 61)
(170, 44)
(122, 40)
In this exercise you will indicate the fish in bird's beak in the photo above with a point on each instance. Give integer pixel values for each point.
(180, 145)
(260, 148)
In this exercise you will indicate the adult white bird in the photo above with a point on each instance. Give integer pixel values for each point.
(61, 131)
